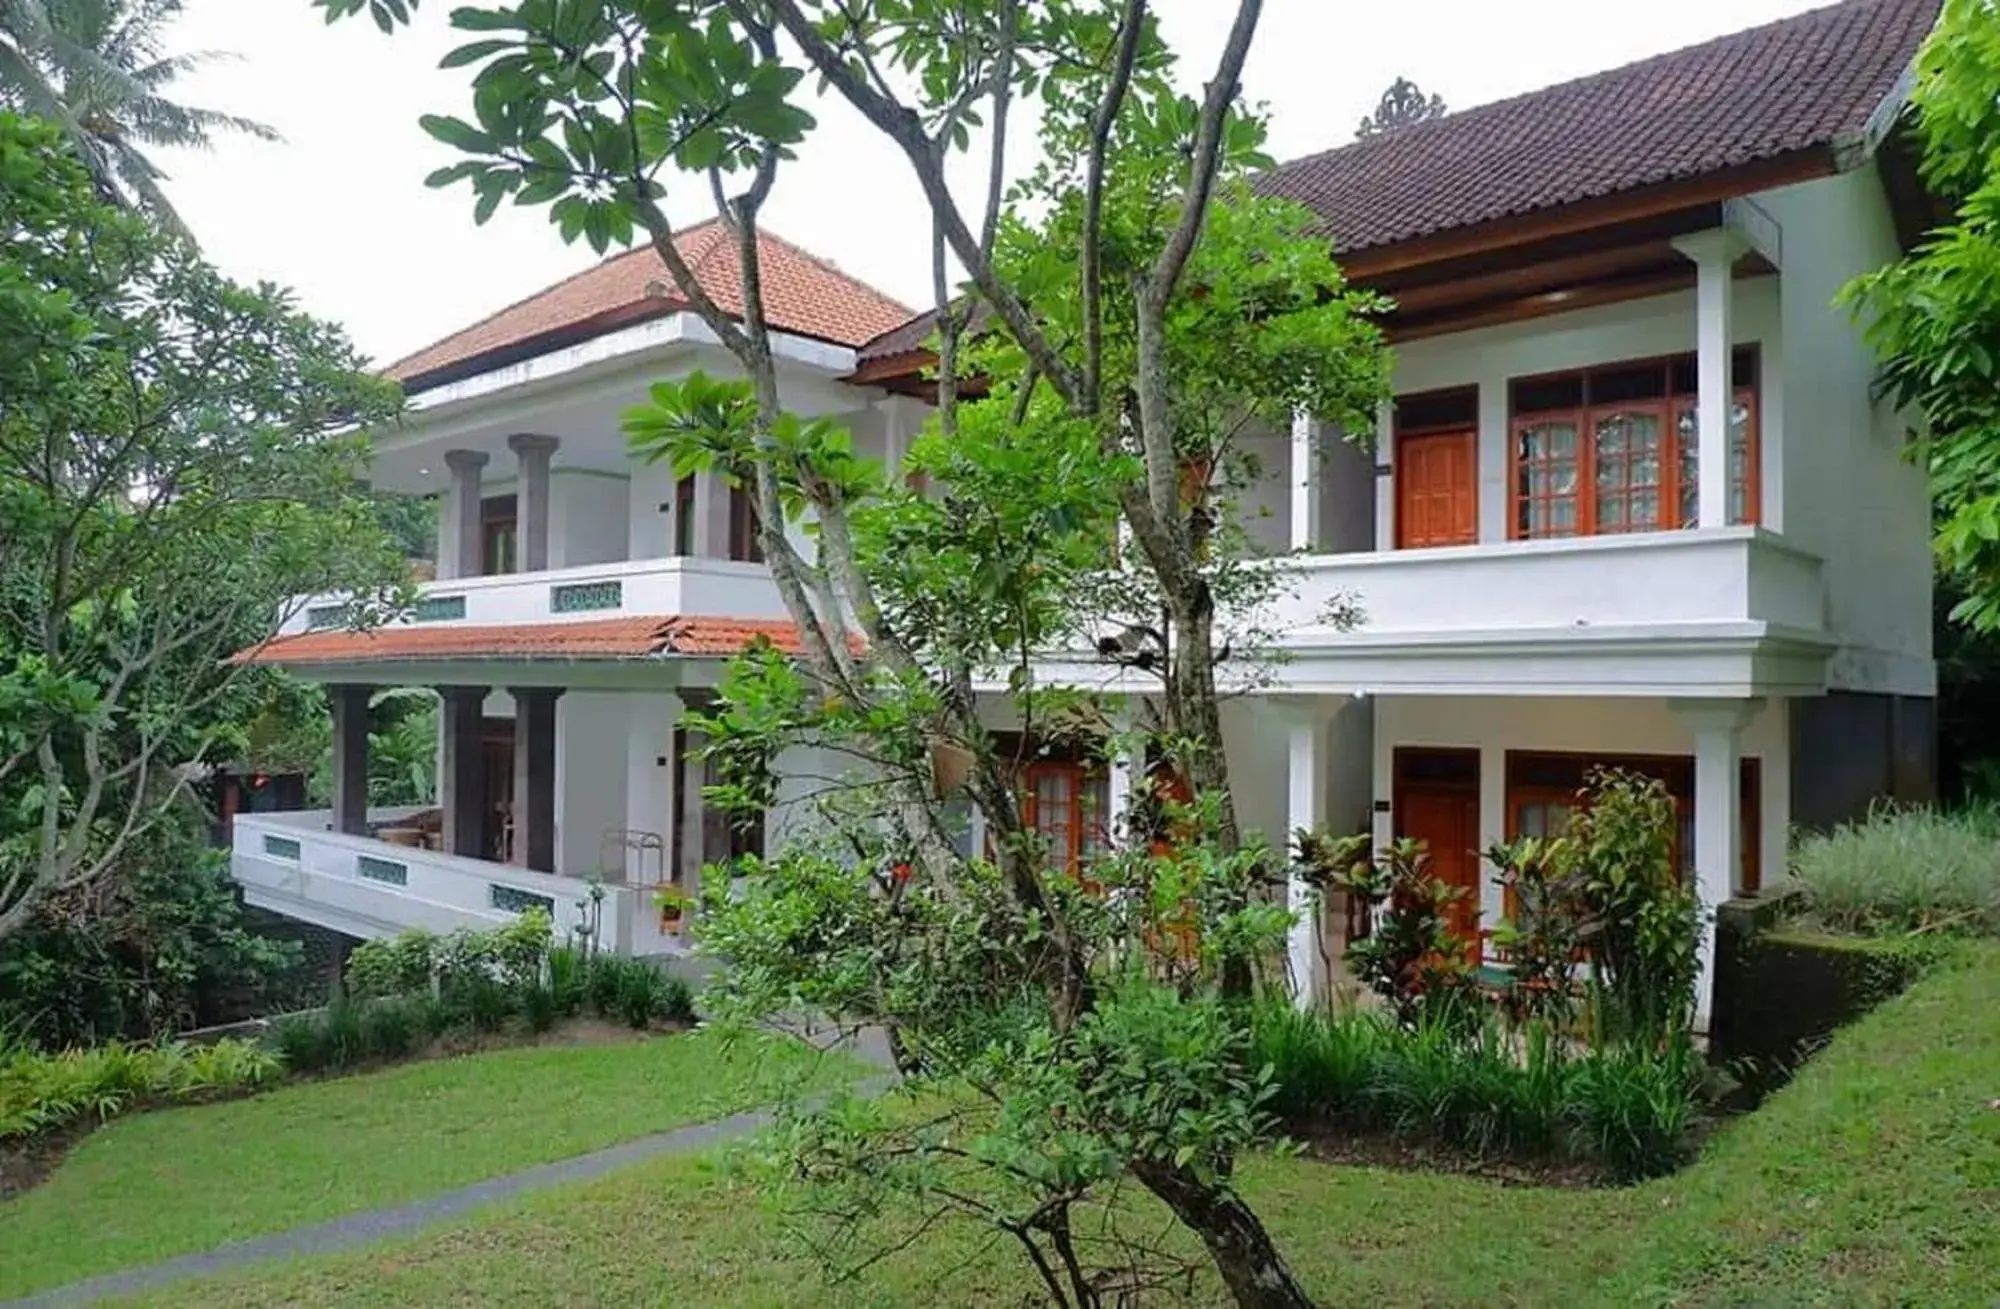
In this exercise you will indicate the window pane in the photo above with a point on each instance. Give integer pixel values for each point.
(1687, 430)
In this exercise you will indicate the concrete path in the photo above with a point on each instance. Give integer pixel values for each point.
(370, 1226)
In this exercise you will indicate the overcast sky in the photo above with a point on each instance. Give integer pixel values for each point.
(338, 209)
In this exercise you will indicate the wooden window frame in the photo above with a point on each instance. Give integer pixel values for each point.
(1666, 408)
(1084, 779)
(744, 547)
(684, 498)
(499, 520)
(1671, 769)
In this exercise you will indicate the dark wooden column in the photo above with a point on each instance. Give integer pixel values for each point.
(350, 757)
(462, 788)
(535, 776)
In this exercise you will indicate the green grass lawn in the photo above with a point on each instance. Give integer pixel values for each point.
(1872, 1179)
(179, 1180)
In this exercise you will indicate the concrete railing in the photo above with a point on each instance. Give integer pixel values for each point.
(1648, 580)
(707, 588)
(294, 864)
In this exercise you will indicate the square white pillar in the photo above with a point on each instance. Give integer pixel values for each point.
(1714, 253)
(1305, 505)
(1304, 808)
(1385, 475)
(1717, 727)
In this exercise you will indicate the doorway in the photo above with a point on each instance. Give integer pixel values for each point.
(1437, 802)
(1437, 484)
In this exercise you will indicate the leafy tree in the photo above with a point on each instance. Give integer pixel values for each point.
(97, 68)
(1934, 316)
(1131, 309)
(1403, 104)
(176, 471)
(155, 945)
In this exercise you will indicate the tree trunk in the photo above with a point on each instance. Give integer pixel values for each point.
(1250, 1264)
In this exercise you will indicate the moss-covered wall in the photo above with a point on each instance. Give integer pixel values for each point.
(1780, 992)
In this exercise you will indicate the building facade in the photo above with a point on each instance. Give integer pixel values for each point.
(1635, 502)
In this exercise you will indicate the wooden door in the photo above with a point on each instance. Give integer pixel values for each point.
(496, 749)
(1437, 490)
(1446, 820)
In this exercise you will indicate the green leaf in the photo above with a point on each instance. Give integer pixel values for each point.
(473, 52)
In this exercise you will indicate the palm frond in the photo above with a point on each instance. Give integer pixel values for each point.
(138, 173)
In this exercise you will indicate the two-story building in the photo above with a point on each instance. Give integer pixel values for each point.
(1635, 502)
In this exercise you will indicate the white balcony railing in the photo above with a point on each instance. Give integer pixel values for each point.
(1657, 581)
(294, 864)
(683, 587)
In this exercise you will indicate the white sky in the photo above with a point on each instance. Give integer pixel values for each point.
(338, 210)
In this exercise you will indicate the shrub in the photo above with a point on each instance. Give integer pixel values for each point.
(1642, 914)
(1321, 1067)
(483, 1001)
(636, 993)
(397, 966)
(411, 961)
(1409, 957)
(301, 1042)
(1902, 870)
(391, 1027)
(539, 1007)
(1480, 1088)
(568, 969)
(43, 1092)
(1634, 1109)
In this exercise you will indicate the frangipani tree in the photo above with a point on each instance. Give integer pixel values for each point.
(1127, 308)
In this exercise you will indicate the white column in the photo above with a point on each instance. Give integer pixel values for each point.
(1126, 770)
(1492, 828)
(1306, 533)
(1717, 727)
(1714, 253)
(531, 498)
(1304, 809)
(1385, 475)
(467, 538)
(1496, 496)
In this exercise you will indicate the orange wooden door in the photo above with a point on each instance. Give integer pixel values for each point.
(1437, 490)
(1447, 822)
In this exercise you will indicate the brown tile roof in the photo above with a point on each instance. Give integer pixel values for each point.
(1803, 83)
(803, 294)
(640, 636)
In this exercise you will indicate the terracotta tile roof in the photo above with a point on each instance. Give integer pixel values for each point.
(635, 637)
(1803, 83)
(803, 294)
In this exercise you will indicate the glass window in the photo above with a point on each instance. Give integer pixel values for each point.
(1624, 455)
(1742, 462)
(1550, 461)
(1628, 446)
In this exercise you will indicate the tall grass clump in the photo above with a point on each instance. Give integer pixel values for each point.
(1904, 869)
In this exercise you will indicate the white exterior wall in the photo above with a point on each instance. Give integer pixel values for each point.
(1847, 492)
(1264, 506)
(1256, 733)
(649, 511)
(587, 518)
(1493, 725)
(1638, 329)
(592, 756)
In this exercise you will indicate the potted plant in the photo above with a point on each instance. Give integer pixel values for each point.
(672, 902)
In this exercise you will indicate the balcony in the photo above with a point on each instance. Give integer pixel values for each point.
(710, 588)
(1724, 611)
(295, 864)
